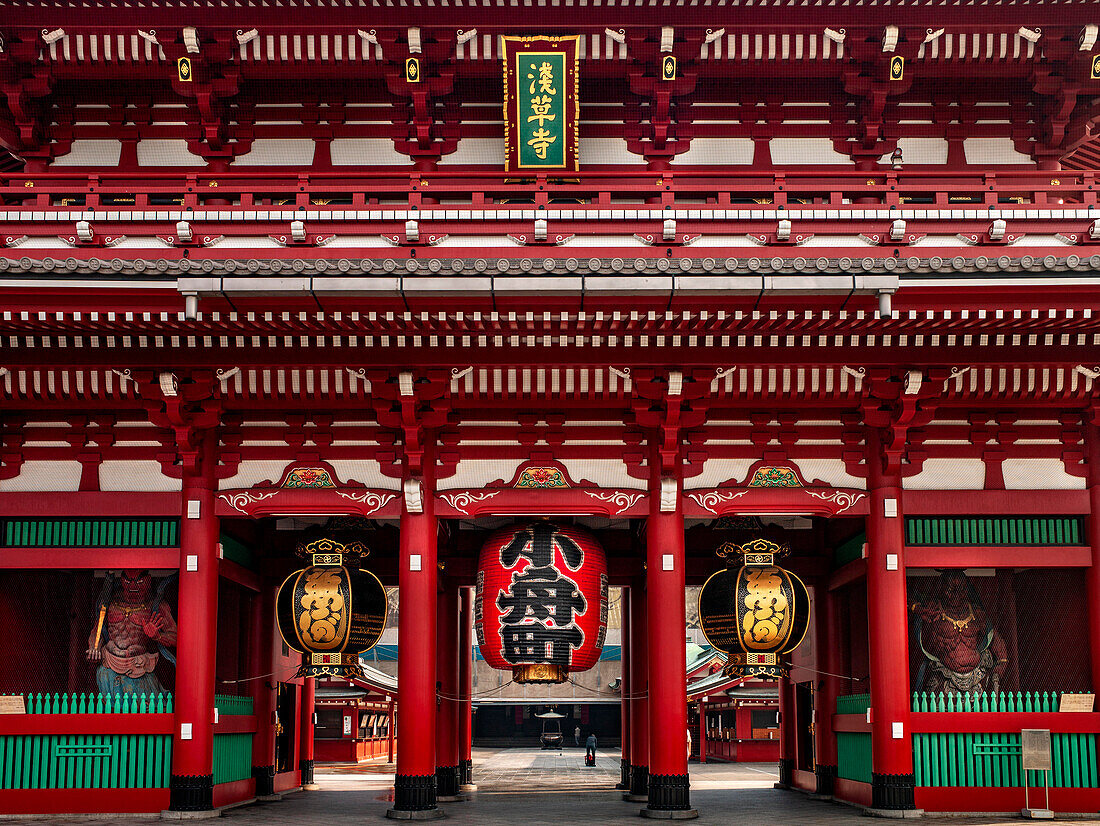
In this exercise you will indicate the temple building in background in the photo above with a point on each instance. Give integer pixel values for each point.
(545, 316)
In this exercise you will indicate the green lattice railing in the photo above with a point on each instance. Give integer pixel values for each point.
(1001, 701)
(993, 530)
(91, 533)
(98, 703)
(230, 704)
(994, 760)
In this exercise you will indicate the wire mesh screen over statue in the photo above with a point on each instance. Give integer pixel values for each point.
(541, 605)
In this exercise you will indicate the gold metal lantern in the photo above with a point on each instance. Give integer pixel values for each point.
(333, 610)
(756, 613)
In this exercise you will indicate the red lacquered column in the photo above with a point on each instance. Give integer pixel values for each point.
(389, 732)
(828, 648)
(191, 785)
(787, 725)
(261, 657)
(624, 689)
(887, 620)
(1092, 574)
(639, 694)
(446, 721)
(305, 763)
(414, 784)
(702, 732)
(668, 773)
(466, 690)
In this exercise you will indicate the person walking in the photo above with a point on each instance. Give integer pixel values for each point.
(577, 736)
(590, 748)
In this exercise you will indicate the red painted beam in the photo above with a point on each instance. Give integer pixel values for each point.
(851, 722)
(998, 557)
(51, 504)
(979, 502)
(234, 572)
(852, 572)
(17, 724)
(81, 801)
(82, 558)
(999, 723)
(1003, 799)
(235, 724)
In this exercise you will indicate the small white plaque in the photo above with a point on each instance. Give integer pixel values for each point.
(185, 731)
(414, 562)
(347, 725)
(868, 714)
(194, 508)
(897, 730)
(890, 507)
(215, 715)
(667, 562)
(192, 562)
(891, 562)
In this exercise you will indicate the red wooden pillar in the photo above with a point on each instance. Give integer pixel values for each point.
(309, 705)
(828, 658)
(887, 620)
(262, 657)
(191, 787)
(466, 690)
(702, 732)
(668, 772)
(787, 733)
(389, 732)
(639, 694)
(624, 689)
(1092, 573)
(447, 706)
(414, 783)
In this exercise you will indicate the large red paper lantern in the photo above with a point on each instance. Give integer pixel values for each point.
(541, 607)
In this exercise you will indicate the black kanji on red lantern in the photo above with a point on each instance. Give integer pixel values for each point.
(540, 604)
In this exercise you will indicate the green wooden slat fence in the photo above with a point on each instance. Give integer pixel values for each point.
(98, 703)
(853, 748)
(91, 533)
(853, 703)
(230, 704)
(90, 761)
(853, 755)
(994, 760)
(1001, 701)
(994, 530)
(232, 757)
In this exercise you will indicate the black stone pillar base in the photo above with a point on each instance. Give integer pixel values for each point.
(306, 767)
(624, 774)
(446, 783)
(414, 798)
(892, 792)
(639, 784)
(191, 793)
(669, 797)
(786, 773)
(826, 779)
(265, 780)
(466, 772)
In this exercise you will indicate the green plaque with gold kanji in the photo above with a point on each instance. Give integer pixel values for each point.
(540, 103)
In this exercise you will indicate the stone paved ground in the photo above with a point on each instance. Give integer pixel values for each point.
(529, 786)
